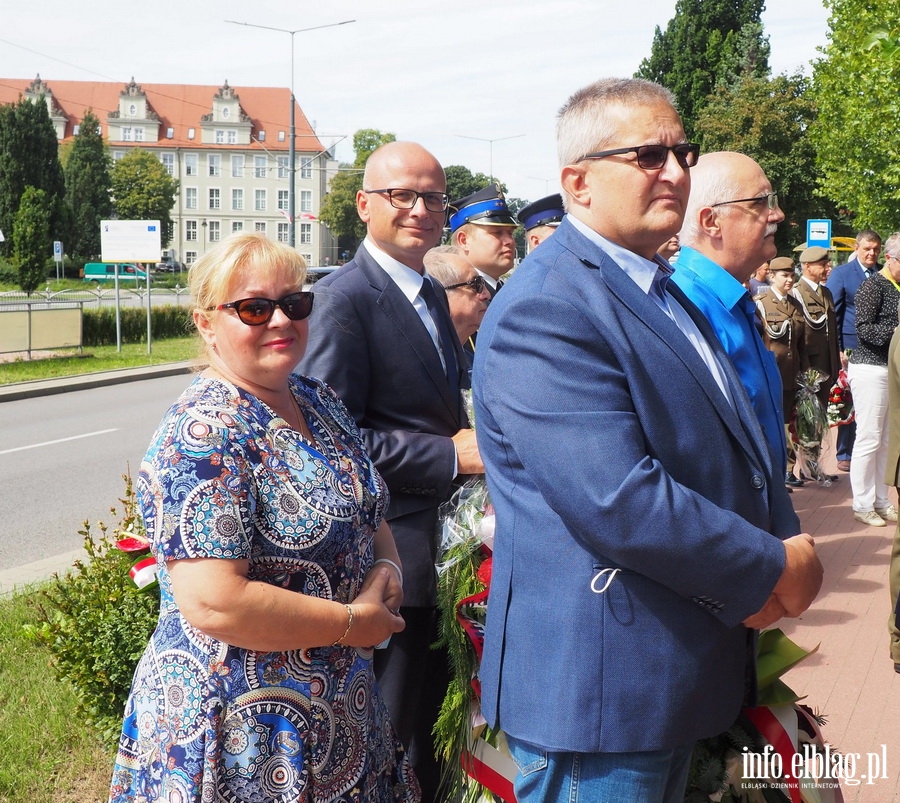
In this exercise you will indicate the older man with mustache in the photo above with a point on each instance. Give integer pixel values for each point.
(728, 231)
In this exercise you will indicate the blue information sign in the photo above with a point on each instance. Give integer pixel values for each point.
(818, 232)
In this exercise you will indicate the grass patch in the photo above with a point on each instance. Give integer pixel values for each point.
(99, 358)
(46, 756)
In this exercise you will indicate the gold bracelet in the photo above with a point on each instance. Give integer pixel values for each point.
(349, 625)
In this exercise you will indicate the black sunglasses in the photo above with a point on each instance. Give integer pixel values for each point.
(477, 285)
(257, 311)
(653, 157)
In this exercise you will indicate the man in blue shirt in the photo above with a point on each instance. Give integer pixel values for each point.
(728, 232)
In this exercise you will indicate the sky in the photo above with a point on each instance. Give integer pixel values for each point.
(451, 76)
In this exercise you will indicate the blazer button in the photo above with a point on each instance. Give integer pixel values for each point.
(757, 481)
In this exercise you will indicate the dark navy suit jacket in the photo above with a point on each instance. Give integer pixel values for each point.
(367, 341)
(843, 282)
(638, 514)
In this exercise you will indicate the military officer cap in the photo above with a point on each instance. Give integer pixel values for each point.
(814, 254)
(545, 212)
(487, 207)
(781, 263)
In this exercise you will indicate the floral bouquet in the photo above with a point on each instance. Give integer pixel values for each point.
(810, 425)
(840, 402)
(775, 752)
(475, 757)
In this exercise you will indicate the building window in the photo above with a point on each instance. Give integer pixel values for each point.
(307, 258)
(138, 134)
(214, 197)
(282, 232)
(283, 167)
(127, 133)
(190, 230)
(118, 155)
(191, 133)
(220, 136)
(170, 133)
(283, 200)
(215, 231)
(168, 162)
(306, 168)
(76, 129)
(232, 137)
(259, 202)
(237, 199)
(262, 136)
(190, 257)
(190, 197)
(259, 169)
(305, 233)
(237, 165)
(306, 200)
(260, 226)
(236, 226)
(191, 164)
(215, 164)
(281, 136)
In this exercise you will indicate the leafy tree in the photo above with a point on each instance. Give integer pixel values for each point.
(707, 43)
(462, 182)
(144, 190)
(88, 187)
(31, 234)
(769, 119)
(338, 209)
(28, 158)
(855, 89)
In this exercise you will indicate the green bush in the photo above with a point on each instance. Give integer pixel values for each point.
(168, 320)
(96, 622)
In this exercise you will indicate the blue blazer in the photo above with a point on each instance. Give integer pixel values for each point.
(638, 514)
(367, 341)
(843, 282)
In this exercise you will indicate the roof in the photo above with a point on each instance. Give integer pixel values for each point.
(180, 107)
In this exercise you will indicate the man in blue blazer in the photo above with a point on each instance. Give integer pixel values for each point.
(642, 529)
(843, 282)
(396, 362)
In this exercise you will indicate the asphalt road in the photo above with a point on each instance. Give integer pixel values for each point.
(62, 457)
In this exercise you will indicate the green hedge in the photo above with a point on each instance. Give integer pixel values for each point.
(166, 321)
(96, 622)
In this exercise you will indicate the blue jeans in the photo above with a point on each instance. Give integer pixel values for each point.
(658, 776)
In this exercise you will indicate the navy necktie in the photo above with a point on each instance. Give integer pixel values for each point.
(446, 334)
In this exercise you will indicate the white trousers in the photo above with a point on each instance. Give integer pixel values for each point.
(869, 386)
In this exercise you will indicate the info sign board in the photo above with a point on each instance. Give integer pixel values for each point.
(818, 232)
(130, 240)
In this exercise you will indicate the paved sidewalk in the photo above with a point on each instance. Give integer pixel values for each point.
(851, 679)
(46, 387)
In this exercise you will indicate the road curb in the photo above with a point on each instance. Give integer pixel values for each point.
(48, 387)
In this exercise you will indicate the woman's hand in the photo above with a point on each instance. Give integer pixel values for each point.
(393, 589)
(374, 619)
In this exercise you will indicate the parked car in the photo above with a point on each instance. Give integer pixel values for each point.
(169, 266)
(106, 272)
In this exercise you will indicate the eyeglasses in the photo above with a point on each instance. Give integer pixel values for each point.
(258, 311)
(476, 285)
(653, 157)
(407, 199)
(770, 199)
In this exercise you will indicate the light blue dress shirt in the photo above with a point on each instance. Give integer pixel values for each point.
(727, 306)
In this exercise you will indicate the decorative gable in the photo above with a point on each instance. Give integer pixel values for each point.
(38, 91)
(134, 120)
(226, 124)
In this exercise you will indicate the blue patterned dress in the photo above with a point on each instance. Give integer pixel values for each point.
(225, 477)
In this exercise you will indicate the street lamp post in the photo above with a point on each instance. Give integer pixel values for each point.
(292, 150)
(491, 141)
